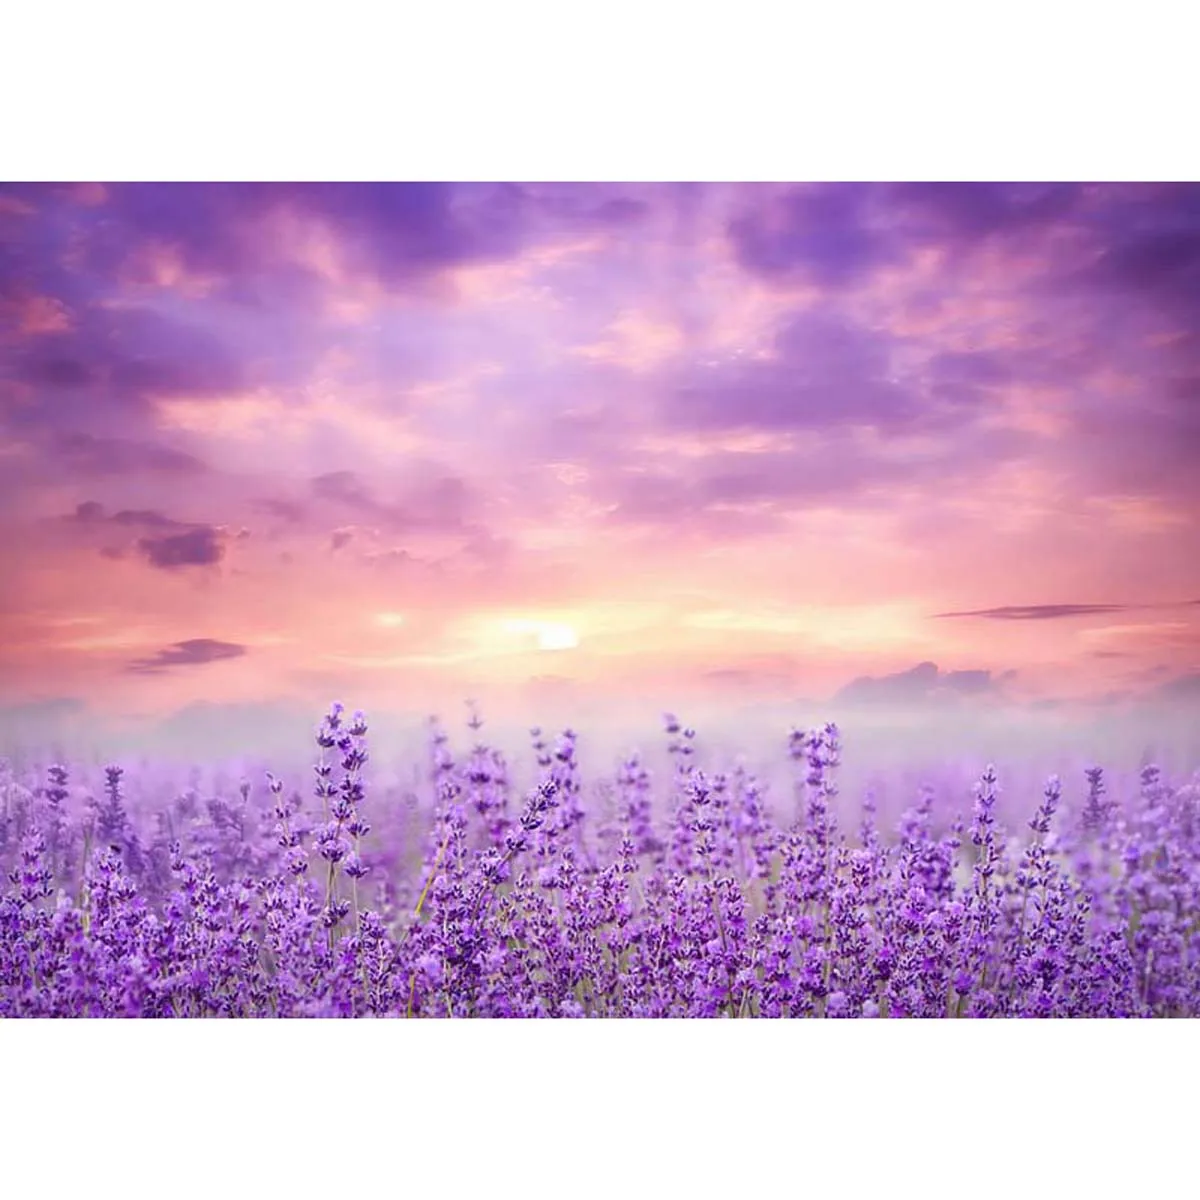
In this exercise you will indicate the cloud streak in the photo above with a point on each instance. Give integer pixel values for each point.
(1039, 612)
(1055, 612)
(190, 653)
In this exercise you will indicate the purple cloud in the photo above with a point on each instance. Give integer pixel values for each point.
(833, 235)
(85, 454)
(819, 231)
(826, 373)
(1152, 247)
(129, 354)
(967, 683)
(194, 652)
(922, 683)
(393, 231)
(57, 371)
(1039, 612)
(167, 544)
(970, 212)
(91, 512)
(198, 547)
(149, 517)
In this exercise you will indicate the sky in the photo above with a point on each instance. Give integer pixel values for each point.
(408, 444)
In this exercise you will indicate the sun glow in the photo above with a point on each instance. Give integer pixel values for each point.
(548, 635)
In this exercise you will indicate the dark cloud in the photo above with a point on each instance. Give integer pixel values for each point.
(92, 512)
(193, 652)
(124, 356)
(147, 517)
(209, 224)
(1105, 289)
(1160, 262)
(85, 454)
(1040, 612)
(393, 231)
(820, 231)
(35, 250)
(234, 237)
(922, 683)
(1151, 247)
(89, 510)
(836, 234)
(399, 230)
(168, 545)
(340, 538)
(970, 212)
(56, 371)
(198, 547)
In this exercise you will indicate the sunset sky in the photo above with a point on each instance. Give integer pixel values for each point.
(409, 443)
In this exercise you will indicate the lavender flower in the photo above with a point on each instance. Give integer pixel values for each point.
(693, 899)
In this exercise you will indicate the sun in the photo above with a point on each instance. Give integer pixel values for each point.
(542, 635)
(553, 636)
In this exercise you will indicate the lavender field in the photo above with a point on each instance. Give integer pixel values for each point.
(697, 893)
(889, 488)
